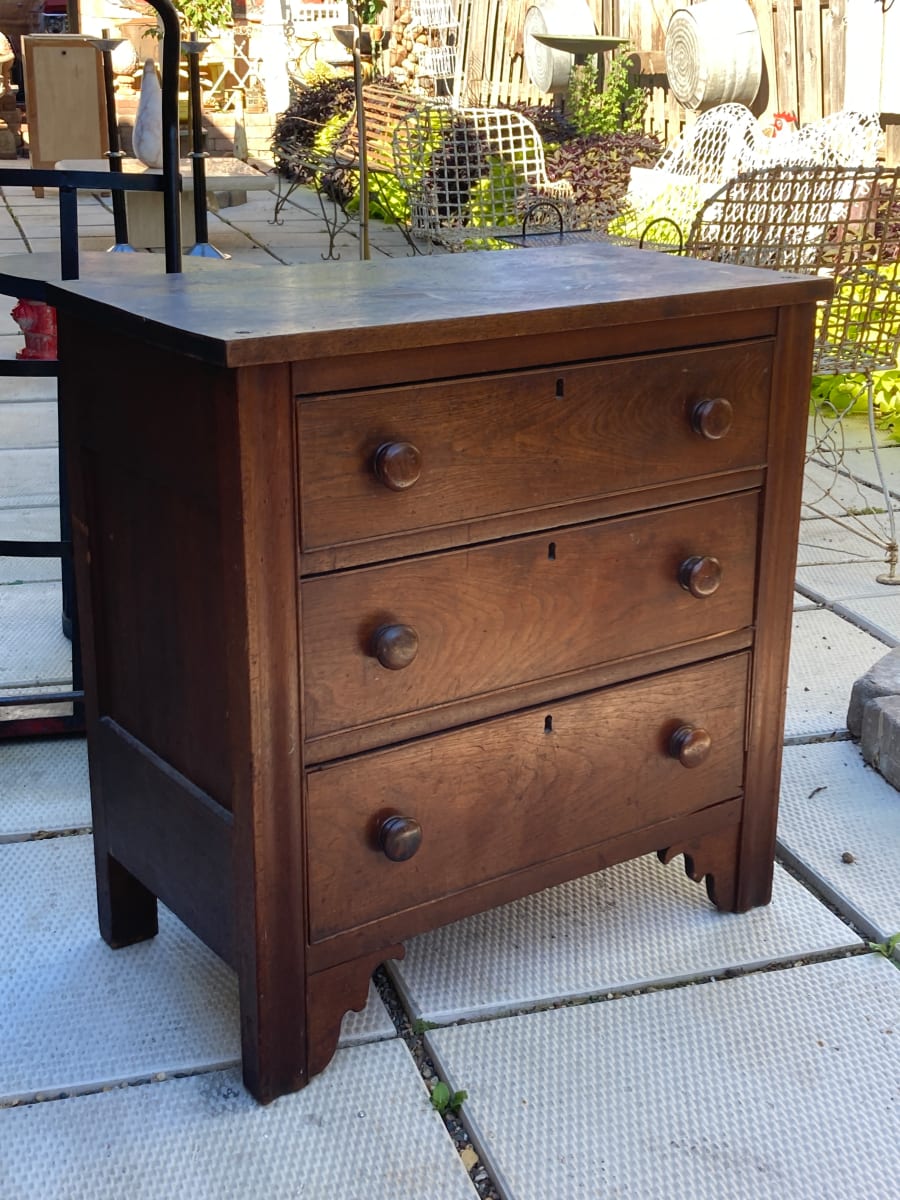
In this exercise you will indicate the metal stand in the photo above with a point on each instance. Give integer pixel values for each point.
(115, 154)
(201, 248)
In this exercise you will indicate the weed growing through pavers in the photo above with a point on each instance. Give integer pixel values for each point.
(886, 948)
(446, 1101)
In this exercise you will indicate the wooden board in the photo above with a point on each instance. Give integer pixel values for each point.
(65, 98)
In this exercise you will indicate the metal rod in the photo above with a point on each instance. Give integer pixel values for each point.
(68, 231)
(106, 45)
(171, 59)
(201, 247)
(193, 49)
(364, 249)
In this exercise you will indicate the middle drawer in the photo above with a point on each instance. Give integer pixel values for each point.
(393, 639)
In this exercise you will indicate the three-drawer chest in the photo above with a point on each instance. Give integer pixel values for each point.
(410, 588)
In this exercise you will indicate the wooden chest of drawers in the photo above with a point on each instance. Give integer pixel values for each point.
(410, 588)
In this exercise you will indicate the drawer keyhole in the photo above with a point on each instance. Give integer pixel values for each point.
(548, 724)
(551, 551)
(560, 389)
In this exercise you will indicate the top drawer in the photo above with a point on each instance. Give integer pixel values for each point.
(508, 443)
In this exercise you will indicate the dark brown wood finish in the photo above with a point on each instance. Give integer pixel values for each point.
(468, 642)
(545, 522)
(527, 440)
(483, 809)
(774, 604)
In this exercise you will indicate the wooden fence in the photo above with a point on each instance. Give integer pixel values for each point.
(819, 56)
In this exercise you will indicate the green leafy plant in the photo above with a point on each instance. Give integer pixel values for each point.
(367, 12)
(620, 106)
(886, 948)
(420, 1025)
(444, 1100)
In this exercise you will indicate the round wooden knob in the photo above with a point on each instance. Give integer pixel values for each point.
(691, 746)
(399, 838)
(397, 465)
(700, 575)
(395, 646)
(712, 418)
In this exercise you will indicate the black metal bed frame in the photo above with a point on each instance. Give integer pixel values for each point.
(69, 183)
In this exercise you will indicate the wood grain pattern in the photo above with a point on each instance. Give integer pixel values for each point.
(483, 444)
(481, 794)
(526, 609)
(778, 537)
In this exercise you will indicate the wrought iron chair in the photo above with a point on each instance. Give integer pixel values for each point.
(843, 222)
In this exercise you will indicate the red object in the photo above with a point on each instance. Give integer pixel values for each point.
(37, 321)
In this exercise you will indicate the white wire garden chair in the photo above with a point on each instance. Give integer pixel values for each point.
(727, 140)
(838, 221)
(848, 138)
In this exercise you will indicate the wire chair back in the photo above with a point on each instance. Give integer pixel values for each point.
(838, 221)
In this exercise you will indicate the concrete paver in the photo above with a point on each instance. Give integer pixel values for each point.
(833, 805)
(46, 792)
(631, 926)
(364, 1130)
(33, 648)
(827, 655)
(771, 1086)
(97, 1016)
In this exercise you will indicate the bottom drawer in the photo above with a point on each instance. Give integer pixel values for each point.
(508, 793)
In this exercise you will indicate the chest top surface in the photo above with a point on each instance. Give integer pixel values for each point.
(247, 316)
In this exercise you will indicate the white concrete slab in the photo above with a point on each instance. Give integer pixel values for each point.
(632, 925)
(833, 804)
(847, 581)
(25, 473)
(776, 1086)
(827, 655)
(29, 524)
(10, 345)
(880, 617)
(852, 432)
(28, 425)
(802, 604)
(14, 389)
(78, 1015)
(45, 787)
(362, 1130)
(860, 462)
(824, 541)
(33, 648)
(15, 570)
(827, 491)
